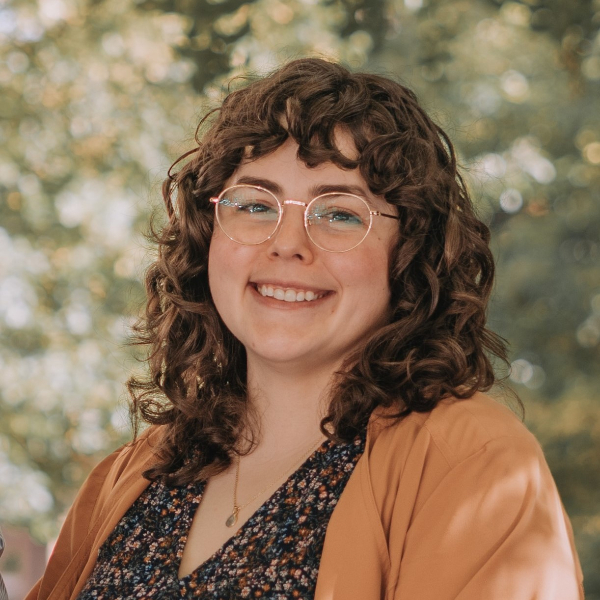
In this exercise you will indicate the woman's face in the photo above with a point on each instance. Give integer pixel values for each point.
(351, 288)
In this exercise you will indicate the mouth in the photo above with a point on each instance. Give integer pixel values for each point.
(288, 294)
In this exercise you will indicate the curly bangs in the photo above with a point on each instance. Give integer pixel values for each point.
(436, 344)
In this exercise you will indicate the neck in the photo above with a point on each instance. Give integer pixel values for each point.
(290, 404)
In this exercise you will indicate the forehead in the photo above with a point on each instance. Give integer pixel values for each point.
(285, 157)
(284, 174)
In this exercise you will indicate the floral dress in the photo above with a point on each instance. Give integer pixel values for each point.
(275, 554)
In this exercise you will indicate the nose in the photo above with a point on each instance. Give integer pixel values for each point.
(291, 239)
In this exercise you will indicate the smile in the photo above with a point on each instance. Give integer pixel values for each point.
(288, 294)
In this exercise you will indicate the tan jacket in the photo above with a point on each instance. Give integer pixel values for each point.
(457, 503)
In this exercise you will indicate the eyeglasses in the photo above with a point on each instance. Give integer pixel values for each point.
(334, 222)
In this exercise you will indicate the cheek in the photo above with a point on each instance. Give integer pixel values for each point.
(215, 265)
(365, 277)
(229, 267)
(221, 272)
(372, 267)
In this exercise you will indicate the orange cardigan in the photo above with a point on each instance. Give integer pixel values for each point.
(457, 503)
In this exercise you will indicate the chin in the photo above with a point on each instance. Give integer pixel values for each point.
(290, 356)
(280, 354)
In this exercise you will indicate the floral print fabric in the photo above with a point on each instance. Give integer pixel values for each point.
(275, 555)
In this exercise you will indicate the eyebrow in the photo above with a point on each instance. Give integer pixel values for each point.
(315, 190)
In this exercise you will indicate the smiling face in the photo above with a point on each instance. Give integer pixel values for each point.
(286, 300)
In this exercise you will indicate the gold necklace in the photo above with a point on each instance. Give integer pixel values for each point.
(232, 519)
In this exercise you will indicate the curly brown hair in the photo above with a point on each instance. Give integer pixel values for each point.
(436, 343)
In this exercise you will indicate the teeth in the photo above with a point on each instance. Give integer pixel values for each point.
(287, 295)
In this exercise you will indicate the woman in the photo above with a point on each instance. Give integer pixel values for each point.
(318, 352)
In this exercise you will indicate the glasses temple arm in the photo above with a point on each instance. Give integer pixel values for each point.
(376, 213)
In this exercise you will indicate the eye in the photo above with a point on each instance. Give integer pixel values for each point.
(250, 205)
(339, 212)
(340, 215)
(254, 206)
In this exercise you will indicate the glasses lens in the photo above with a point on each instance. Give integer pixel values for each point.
(247, 214)
(338, 222)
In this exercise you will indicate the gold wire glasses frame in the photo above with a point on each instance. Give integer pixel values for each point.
(253, 207)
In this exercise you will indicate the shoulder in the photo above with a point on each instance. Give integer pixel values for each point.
(138, 451)
(458, 452)
(461, 428)
(128, 461)
(118, 476)
(457, 429)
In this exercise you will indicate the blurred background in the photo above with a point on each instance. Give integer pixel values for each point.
(97, 98)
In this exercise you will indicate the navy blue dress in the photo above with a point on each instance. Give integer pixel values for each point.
(274, 555)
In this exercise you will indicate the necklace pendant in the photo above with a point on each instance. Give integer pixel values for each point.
(232, 520)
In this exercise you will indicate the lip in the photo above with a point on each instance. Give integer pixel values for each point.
(288, 285)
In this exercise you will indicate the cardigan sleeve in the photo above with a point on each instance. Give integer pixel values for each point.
(493, 527)
(107, 493)
(75, 528)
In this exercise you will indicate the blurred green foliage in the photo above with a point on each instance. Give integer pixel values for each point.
(98, 98)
